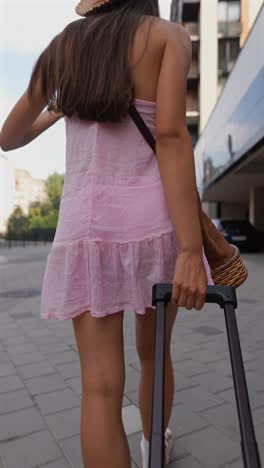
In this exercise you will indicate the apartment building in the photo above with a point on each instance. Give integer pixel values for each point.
(7, 190)
(28, 190)
(17, 188)
(218, 30)
(229, 154)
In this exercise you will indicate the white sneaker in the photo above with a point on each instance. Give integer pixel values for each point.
(144, 445)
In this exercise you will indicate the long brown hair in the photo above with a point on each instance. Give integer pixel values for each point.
(85, 70)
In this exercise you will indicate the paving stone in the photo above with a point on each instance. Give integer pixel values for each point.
(4, 333)
(21, 348)
(181, 381)
(75, 384)
(198, 398)
(57, 401)
(43, 384)
(135, 365)
(20, 423)
(57, 464)
(178, 451)
(191, 368)
(30, 451)
(236, 464)
(258, 415)
(27, 358)
(213, 382)
(132, 397)
(69, 370)
(36, 369)
(256, 398)
(223, 417)
(14, 340)
(131, 355)
(7, 368)
(72, 450)
(69, 340)
(64, 424)
(50, 348)
(255, 381)
(205, 357)
(186, 462)
(63, 357)
(211, 447)
(13, 401)
(4, 357)
(132, 380)
(184, 421)
(39, 332)
(208, 330)
(9, 326)
(134, 447)
(126, 402)
(9, 383)
(47, 339)
(131, 419)
(32, 324)
(220, 367)
(260, 438)
(63, 333)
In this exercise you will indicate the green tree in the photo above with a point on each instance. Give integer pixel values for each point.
(54, 186)
(17, 222)
(35, 217)
(41, 215)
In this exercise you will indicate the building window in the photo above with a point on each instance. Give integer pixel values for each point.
(193, 130)
(228, 52)
(192, 100)
(229, 11)
(229, 19)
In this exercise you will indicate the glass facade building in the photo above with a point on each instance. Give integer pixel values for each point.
(229, 154)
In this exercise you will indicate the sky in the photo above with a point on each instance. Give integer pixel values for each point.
(27, 27)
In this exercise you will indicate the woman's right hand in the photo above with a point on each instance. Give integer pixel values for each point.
(190, 281)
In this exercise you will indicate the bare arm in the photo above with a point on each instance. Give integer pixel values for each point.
(41, 124)
(176, 163)
(26, 121)
(174, 147)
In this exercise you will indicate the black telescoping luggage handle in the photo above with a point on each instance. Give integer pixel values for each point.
(225, 297)
(220, 295)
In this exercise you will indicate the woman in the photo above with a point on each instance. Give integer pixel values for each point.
(128, 219)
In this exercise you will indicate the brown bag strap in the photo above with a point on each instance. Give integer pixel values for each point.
(141, 125)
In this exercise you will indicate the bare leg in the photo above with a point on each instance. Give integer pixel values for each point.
(145, 332)
(146, 390)
(100, 345)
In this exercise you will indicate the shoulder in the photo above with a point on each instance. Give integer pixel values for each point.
(173, 34)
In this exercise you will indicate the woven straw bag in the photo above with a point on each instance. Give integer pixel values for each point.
(232, 273)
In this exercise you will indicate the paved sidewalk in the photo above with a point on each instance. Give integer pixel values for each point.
(40, 376)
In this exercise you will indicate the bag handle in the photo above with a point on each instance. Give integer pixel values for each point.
(141, 125)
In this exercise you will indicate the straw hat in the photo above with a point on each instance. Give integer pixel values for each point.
(86, 6)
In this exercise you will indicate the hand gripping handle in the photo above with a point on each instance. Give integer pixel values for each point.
(220, 295)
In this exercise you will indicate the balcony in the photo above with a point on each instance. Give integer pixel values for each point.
(229, 29)
(194, 72)
(192, 106)
(228, 52)
(190, 10)
(193, 28)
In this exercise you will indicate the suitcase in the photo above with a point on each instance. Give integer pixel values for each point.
(225, 297)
